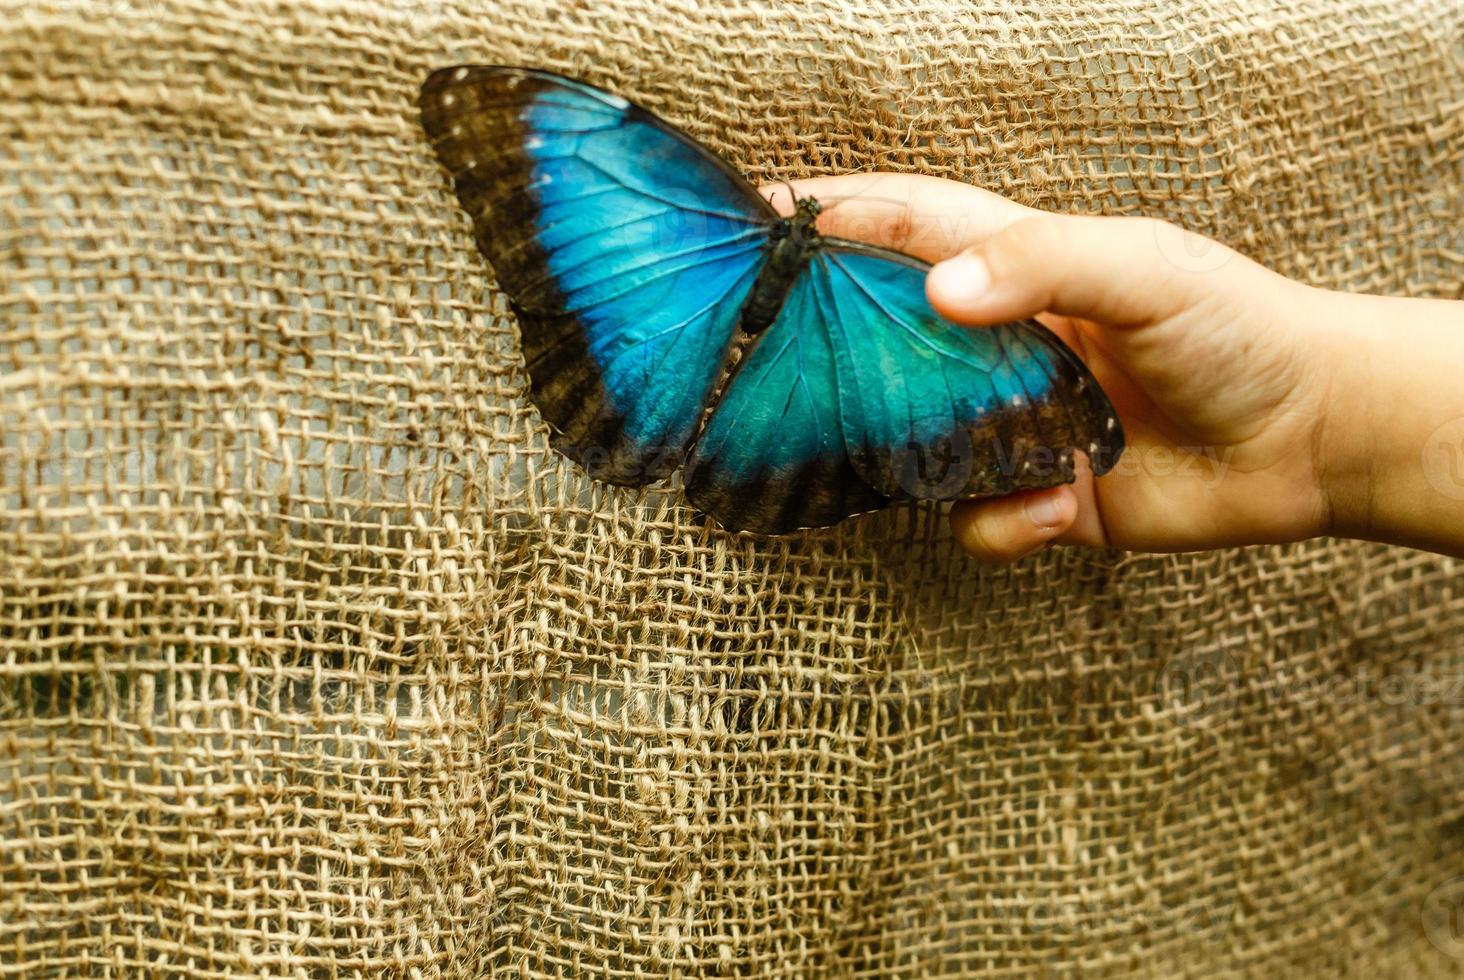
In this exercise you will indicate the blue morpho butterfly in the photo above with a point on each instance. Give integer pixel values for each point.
(632, 254)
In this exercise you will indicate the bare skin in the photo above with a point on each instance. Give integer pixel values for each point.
(1257, 409)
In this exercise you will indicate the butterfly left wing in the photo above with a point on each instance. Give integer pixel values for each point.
(625, 247)
(860, 393)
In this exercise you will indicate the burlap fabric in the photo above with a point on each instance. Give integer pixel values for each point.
(315, 661)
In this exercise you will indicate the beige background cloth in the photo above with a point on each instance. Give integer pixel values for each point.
(315, 661)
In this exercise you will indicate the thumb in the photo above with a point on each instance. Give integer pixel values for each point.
(1118, 271)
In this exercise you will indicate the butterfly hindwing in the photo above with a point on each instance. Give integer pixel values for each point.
(860, 393)
(934, 410)
(772, 456)
(625, 248)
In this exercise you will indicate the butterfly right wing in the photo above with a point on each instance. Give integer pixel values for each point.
(859, 393)
(934, 410)
(626, 249)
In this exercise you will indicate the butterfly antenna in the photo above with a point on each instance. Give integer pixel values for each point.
(792, 195)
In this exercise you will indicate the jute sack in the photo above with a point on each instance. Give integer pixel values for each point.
(316, 661)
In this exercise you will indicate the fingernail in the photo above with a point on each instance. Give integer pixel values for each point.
(960, 279)
(1043, 511)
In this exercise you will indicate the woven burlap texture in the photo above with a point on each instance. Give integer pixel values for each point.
(316, 661)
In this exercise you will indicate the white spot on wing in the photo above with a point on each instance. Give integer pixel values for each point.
(447, 99)
(1016, 401)
(460, 74)
(1112, 423)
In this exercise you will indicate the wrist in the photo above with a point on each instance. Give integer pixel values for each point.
(1394, 397)
(1344, 450)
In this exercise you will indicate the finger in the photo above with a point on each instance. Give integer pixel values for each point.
(1119, 271)
(1001, 530)
(927, 217)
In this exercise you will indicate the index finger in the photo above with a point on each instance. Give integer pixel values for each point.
(930, 218)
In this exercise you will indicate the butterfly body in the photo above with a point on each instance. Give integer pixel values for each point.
(791, 242)
(633, 257)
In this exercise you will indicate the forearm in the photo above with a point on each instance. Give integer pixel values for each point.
(1392, 452)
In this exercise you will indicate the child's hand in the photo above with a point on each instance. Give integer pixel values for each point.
(1247, 398)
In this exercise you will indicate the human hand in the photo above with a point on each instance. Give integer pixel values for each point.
(1226, 374)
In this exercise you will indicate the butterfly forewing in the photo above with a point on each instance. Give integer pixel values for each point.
(625, 248)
